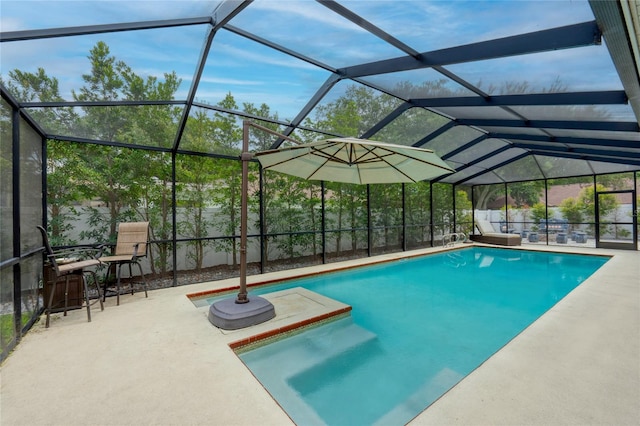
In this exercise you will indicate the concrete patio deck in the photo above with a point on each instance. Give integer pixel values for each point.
(158, 361)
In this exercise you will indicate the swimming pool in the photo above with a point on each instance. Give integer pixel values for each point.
(417, 327)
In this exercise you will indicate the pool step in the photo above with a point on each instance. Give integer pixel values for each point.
(348, 361)
(318, 346)
(431, 390)
(307, 356)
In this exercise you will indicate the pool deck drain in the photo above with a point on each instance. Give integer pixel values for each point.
(295, 308)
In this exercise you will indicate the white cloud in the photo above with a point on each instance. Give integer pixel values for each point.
(234, 55)
(11, 24)
(231, 81)
(307, 10)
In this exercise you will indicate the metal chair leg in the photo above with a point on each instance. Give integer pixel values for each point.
(95, 280)
(86, 297)
(118, 272)
(66, 294)
(117, 269)
(144, 280)
(131, 278)
(53, 291)
(86, 292)
(118, 284)
(106, 280)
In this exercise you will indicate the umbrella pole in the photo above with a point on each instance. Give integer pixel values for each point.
(245, 157)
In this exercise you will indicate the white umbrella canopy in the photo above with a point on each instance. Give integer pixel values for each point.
(353, 160)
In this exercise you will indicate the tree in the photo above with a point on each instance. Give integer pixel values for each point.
(616, 181)
(418, 213)
(260, 140)
(312, 203)
(573, 211)
(286, 196)
(197, 175)
(463, 212)
(129, 191)
(155, 206)
(102, 174)
(64, 167)
(442, 208)
(538, 213)
(607, 203)
(352, 114)
(484, 194)
(226, 198)
(153, 125)
(111, 167)
(30, 87)
(223, 134)
(525, 193)
(581, 208)
(386, 213)
(105, 83)
(346, 204)
(359, 109)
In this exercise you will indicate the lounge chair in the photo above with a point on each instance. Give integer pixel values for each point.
(488, 235)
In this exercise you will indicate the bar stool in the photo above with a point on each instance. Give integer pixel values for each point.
(132, 244)
(66, 264)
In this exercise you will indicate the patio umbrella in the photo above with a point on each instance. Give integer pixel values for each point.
(352, 160)
(347, 160)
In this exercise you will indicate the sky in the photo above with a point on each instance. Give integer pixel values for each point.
(255, 74)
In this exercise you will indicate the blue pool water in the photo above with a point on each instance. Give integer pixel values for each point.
(417, 327)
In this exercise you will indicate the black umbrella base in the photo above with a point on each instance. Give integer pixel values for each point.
(229, 315)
